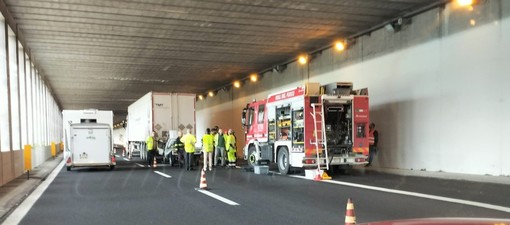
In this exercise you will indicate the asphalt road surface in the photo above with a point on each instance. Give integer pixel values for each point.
(132, 194)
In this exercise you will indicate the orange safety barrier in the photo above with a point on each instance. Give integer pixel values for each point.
(53, 149)
(27, 155)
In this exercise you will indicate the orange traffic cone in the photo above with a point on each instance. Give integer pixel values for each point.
(203, 182)
(155, 164)
(318, 176)
(350, 218)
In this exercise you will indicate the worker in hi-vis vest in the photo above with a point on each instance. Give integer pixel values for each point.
(207, 149)
(189, 141)
(373, 138)
(151, 146)
(230, 144)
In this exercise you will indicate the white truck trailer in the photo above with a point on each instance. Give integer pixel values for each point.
(88, 138)
(159, 112)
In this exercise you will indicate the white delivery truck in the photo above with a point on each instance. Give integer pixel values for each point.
(88, 138)
(159, 112)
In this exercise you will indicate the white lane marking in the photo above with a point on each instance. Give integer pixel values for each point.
(218, 197)
(27, 204)
(140, 165)
(163, 174)
(415, 194)
(163, 165)
(126, 159)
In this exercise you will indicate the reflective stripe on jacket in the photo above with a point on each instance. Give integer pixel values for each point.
(371, 138)
(178, 144)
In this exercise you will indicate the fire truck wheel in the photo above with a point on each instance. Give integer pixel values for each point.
(251, 156)
(283, 161)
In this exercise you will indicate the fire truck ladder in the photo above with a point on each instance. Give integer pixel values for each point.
(320, 133)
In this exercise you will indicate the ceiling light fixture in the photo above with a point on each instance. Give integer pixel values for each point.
(303, 59)
(465, 2)
(254, 77)
(211, 94)
(201, 97)
(339, 46)
(237, 84)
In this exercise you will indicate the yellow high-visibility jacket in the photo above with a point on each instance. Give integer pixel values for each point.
(150, 143)
(207, 142)
(230, 143)
(189, 141)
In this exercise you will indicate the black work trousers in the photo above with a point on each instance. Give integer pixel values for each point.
(371, 154)
(189, 160)
(150, 157)
(180, 157)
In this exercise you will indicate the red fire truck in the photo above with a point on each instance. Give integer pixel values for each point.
(308, 127)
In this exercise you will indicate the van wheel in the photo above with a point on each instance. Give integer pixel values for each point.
(68, 168)
(283, 161)
(112, 167)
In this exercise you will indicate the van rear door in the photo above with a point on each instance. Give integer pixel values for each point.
(91, 145)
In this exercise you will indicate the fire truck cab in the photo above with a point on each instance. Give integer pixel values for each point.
(305, 128)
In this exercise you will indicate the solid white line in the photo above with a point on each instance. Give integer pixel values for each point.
(140, 165)
(126, 159)
(218, 197)
(415, 194)
(27, 204)
(163, 174)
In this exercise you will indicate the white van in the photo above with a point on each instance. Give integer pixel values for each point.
(90, 145)
(70, 117)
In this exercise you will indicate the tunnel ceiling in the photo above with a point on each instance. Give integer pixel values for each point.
(105, 54)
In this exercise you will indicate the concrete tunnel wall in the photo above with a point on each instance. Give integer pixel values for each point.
(439, 90)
